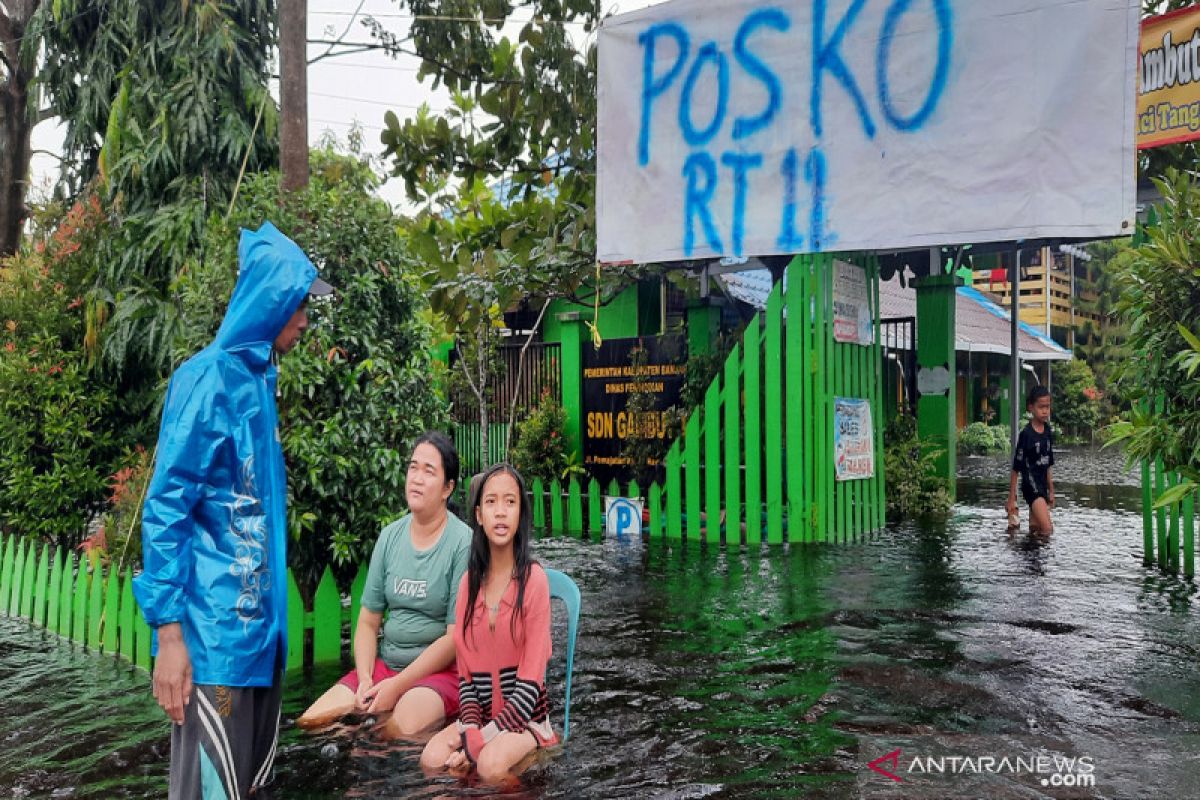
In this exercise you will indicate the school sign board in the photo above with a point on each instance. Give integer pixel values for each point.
(758, 127)
(1168, 102)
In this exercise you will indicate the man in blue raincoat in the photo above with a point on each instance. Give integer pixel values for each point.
(214, 532)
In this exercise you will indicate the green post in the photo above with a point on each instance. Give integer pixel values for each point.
(733, 450)
(1161, 513)
(28, 574)
(753, 440)
(595, 507)
(1147, 517)
(539, 503)
(936, 408)
(96, 608)
(66, 594)
(794, 377)
(54, 593)
(655, 501)
(327, 621)
(691, 456)
(127, 633)
(571, 376)
(79, 615)
(712, 461)
(574, 506)
(556, 515)
(295, 624)
(1189, 535)
(703, 325)
(144, 638)
(17, 573)
(674, 493)
(6, 571)
(41, 586)
(1173, 512)
(822, 406)
(112, 611)
(774, 403)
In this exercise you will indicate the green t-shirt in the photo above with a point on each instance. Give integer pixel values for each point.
(418, 588)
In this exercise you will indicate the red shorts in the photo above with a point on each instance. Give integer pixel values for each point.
(445, 683)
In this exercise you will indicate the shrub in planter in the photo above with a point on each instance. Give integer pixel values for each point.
(913, 488)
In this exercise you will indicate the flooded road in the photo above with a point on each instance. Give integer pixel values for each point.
(992, 662)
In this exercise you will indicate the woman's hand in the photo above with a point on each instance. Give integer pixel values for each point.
(458, 764)
(384, 695)
(361, 698)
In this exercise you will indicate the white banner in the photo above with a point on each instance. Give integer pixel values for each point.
(752, 127)
(853, 321)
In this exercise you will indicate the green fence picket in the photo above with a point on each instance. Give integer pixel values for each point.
(753, 444)
(574, 506)
(655, 501)
(53, 593)
(1160, 514)
(1173, 512)
(1147, 516)
(95, 607)
(595, 507)
(126, 616)
(112, 609)
(798, 303)
(1189, 535)
(41, 584)
(773, 352)
(356, 592)
(66, 597)
(613, 489)
(732, 399)
(327, 620)
(539, 504)
(877, 409)
(79, 602)
(295, 624)
(691, 457)
(143, 638)
(28, 574)
(712, 461)
(634, 491)
(6, 571)
(15, 584)
(674, 526)
(556, 514)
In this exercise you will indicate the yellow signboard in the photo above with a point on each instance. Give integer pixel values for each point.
(1168, 102)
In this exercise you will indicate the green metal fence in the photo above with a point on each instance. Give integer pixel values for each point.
(1168, 533)
(756, 460)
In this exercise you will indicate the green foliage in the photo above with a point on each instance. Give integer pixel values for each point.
(540, 450)
(1076, 401)
(159, 103)
(1101, 342)
(1161, 304)
(62, 430)
(913, 487)
(122, 524)
(981, 439)
(356, 390)
(54, 446)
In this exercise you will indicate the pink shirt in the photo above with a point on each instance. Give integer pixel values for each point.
(502, 676)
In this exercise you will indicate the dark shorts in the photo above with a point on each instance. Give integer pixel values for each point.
(1031, 496)
(226, 744)
(445, 683)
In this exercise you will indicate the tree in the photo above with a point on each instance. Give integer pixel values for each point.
(163, 104)
(1101, 341)
(1161, 304)
(16, 123)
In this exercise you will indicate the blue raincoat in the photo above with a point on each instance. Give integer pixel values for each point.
(214, 526)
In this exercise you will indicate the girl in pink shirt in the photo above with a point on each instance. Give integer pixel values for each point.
(502, 640)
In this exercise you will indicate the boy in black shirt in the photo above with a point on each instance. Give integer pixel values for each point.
(1032, 462)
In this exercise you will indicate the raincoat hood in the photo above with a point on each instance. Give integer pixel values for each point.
(274, 275)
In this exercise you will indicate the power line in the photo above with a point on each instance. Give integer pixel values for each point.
(365, 66)
(383, 103)
(446, 18)
(354, 124)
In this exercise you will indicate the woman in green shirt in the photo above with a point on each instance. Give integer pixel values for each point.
(415, 569)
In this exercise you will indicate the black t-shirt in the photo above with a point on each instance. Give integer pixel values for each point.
(1034, 456)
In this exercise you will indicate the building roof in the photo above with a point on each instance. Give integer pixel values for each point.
(981, 324)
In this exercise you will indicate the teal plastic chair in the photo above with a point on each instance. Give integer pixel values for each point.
(562, 587)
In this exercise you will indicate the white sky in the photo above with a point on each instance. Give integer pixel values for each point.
(358, 87)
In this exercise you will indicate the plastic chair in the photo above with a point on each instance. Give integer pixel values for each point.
(562, 587)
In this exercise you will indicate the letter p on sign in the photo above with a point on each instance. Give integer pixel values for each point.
(622, 516)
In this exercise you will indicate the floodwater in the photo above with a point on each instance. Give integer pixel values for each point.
(997, 665)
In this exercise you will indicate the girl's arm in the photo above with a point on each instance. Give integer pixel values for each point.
(1050, 486)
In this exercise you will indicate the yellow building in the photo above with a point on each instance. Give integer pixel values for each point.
(1053, 282)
